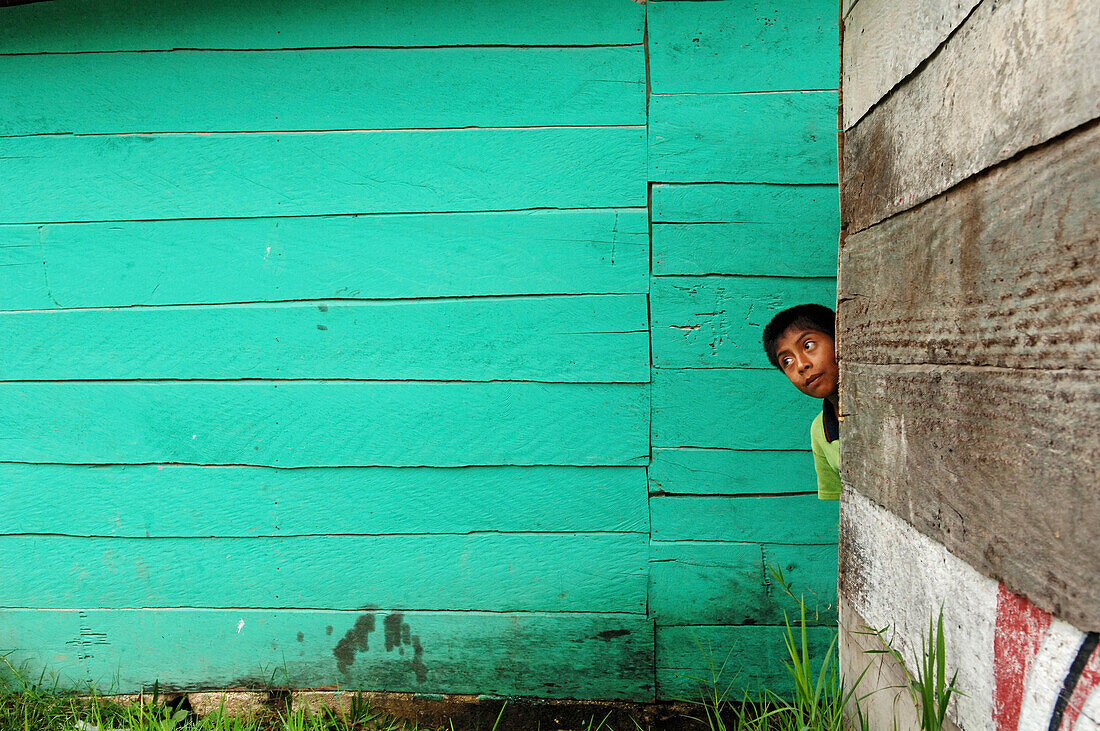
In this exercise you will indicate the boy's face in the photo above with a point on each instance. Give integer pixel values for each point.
(808, 358)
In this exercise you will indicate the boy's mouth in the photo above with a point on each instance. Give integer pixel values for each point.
(812, 380)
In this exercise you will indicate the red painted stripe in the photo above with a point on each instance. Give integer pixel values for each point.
(1021, 627)
(1089, 681)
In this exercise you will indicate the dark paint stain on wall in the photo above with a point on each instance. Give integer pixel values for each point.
(301, 636)
(355, 640)
(396, 633)
(393, 625)
(609, 634)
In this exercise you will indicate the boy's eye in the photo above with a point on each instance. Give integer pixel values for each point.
(808, 344)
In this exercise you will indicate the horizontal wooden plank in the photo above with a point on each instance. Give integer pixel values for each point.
(779, 45)
(781, 230)
(322, 89)
(898, 155)
(592, 339)
(730, 408)
(929, 285)
(692, 583)
(747, 203)
(706, 583)
(261, 259)
(810, 575)
(885, 41)
(717, 322)
(115, 25)
(324, 424)
(260, 501)
(798, 519)
(998, 465)
(731, 471)
(579, 655)
(592, 572)
(743, 138)
(62, 178)
(780, 248)
(744, 659)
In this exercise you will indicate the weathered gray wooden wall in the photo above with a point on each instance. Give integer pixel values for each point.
(969, 313)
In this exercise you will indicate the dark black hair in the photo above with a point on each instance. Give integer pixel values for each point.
(811, 317)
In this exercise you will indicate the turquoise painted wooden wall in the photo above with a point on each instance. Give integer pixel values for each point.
(408, 346)
(742, 164)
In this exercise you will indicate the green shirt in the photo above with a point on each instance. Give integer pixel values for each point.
(826, 461)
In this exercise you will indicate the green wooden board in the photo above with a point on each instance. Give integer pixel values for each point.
(730, 408)
(313, 424)
(718, 228)
(692, 582)
(115, 25)
(735, 46)
(810, 574)
(817, 204)
(798, 519)
(186, 91)
(588, 572)
(100, 178)
(717, 321)
(731, 472)
(578, 655)
(323, 257)
(261, 501)
(706, 583)
(592, 339)
(780, 248)
(743, 138)
(685, 656)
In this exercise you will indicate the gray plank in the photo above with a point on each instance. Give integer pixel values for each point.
(885, 40)
(956, 118)
(989, 274)
(999, 465)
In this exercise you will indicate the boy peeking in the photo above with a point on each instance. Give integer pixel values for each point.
(800, 341)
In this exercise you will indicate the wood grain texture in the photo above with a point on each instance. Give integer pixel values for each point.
(779, 45)
(810, 574)
(61, 178)
(743, 138)
(705, 583)
(745, 203)
(1000, 271)
(181, 500)
(780, 230)
(580, 655)
(686, 655)
(590, 339)
(730, 408)
(264, 259)
(799, 519)
(123, 25)
(730, 471)
(693, 583)
(322, 89)
(593, 572)
(716, 322)
(325, 424)
(885, 41)
(999, 465)
(956, 118)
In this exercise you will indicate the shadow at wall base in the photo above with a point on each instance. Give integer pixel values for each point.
(470, 712)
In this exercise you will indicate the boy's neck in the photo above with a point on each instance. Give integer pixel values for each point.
(834, 399)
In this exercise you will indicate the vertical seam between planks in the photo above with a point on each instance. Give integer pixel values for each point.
(649, 327)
